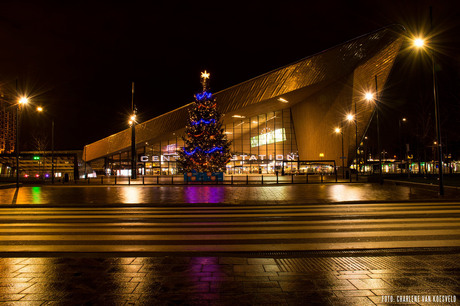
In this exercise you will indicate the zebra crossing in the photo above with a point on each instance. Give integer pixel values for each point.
(252, 228)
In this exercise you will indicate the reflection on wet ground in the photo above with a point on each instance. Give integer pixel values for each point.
(355, 280)
(286, 194)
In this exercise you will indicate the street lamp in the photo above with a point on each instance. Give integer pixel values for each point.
(401, 150)
(21, 102)
(419, 43)
(369, 96)
(40, 110)
(132, 122)
(350, 118)
(338, 130)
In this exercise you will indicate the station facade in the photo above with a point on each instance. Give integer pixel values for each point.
(282, 121)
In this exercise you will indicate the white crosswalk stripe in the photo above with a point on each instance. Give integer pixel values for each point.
(229, 228)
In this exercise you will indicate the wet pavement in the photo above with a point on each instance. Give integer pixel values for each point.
(377, 276)
(238, 195)
(313, 279)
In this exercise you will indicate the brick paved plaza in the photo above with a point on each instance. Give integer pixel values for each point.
(322, 279)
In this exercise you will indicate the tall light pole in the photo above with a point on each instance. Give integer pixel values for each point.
(420, 44)
(22, 101)
(132, 122)
(339, 130)
(40, 109)
(401, 150)
(370, 97)
(351, 118)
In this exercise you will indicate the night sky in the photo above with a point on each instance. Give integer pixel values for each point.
(77, 59)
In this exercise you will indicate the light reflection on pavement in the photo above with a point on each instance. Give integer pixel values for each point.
(283, 194)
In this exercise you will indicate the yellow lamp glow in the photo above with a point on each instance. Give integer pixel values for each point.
(23, 100)
(39, 109)
(369, 96)
(337, 130)
(350, 117)
(419, 42)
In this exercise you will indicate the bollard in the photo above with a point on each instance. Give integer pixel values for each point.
(321, 177)
(262, 179)
(277, 177)
(306, 175)
(292, 178)
(143, 182)
(129, 180)
(115, 180)
(232, 180)
(247, 179)
(172, 179)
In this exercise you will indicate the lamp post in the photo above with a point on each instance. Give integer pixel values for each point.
(419, 43)
(22, 101)
(351, 118)
(40, 109)
(339, 130)
(370, 97)
(401, 150)
(132, 122)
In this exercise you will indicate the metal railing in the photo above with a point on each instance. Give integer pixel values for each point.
(265, 179)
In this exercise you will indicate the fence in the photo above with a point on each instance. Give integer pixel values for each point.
(228, 180)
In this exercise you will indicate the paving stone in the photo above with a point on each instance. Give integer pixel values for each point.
(249, 268)
(297, 286)
(4, 297)
(341, 293)
(352, 276)
(233, 260)
(370, 284)
(271, 268)
(261, 261)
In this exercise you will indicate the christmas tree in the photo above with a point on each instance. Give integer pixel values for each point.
(206, 148)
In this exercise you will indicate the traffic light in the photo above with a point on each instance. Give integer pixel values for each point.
(36, 157)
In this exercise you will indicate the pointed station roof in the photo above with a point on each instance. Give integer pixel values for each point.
(266, 92)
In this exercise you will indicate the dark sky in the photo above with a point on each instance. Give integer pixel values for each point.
(78, 58)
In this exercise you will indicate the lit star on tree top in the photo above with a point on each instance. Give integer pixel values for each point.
(204, 80)
(205, 75)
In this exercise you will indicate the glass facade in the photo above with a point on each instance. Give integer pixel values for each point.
(262, 144)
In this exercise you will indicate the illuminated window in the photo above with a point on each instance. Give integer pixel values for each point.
(277, 135)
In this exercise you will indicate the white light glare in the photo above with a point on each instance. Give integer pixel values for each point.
(369, 96)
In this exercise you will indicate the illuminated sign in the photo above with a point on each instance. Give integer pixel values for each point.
(277, 135)
(156, 158)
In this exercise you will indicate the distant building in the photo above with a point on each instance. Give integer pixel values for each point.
(7, 125)
(281, 121)
(68, 166)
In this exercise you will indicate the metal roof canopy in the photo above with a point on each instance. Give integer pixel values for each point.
(293, 82)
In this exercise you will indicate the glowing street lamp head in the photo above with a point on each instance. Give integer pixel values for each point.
(132, 118)
(419, 42)
(350, 117)
(337, 130)
(23, 100)
(369, 96)
(39, 109)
